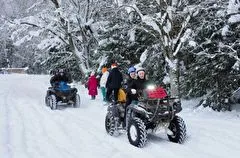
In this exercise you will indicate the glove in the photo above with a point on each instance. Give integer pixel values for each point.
(133, 91)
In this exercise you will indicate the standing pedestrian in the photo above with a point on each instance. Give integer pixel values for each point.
(113, 83)
(92, 86)
(103, 82)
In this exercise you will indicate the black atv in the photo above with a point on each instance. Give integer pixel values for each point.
(154, 111)
(62, 94)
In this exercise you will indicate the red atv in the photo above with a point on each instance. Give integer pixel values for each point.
(154, 111)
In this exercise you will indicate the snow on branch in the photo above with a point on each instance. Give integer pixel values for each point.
(34, 6)
(234, 19)
(233, 7)
(47, 29)
(234, 11)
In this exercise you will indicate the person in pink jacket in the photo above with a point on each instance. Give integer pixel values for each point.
(92, 86)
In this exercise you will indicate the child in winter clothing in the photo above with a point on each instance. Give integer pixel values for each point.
(92, 86)
(103, 82)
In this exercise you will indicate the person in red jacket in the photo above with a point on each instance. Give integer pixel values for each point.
(92, 86)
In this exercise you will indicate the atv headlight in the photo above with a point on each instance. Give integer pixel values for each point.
(151, 87)
(71, 84)
(226, 100)
(165, 101)
(176, 100)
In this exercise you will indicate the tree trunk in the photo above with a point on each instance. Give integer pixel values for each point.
(173, 73)
(74, 51)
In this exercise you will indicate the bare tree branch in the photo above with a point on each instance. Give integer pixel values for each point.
(34, 25)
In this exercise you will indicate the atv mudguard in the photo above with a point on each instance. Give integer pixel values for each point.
(114, 109)
(136, 109)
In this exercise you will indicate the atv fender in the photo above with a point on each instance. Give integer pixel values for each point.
(114, 109)
(138, 110)
(50, 91)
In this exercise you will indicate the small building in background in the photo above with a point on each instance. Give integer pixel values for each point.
(13, 70)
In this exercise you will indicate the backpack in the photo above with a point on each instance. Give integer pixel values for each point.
(121, 95)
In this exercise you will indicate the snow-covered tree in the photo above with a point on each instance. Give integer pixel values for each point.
(212, 55)
(166, 22)
(62, 25)
(117, 36)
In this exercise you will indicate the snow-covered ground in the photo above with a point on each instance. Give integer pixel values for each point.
(29, 129)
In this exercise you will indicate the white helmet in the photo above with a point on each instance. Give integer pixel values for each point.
(140, 69)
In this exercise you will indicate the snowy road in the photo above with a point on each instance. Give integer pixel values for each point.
(29, 129)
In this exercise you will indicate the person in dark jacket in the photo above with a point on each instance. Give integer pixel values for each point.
(137, 85)
(131, 84)
(134, 87)
(60, 75)
(141, 79)
(113, 82)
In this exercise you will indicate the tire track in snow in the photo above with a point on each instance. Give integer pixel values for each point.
(58, 127)
(79, 120)
(54, 119)
(100, 140)
(22, 110)
(22, 131)
(19, 131)
(6, 128)
(43, 119)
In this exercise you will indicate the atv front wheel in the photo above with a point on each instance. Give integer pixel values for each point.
(136, 131)
(178, 128)
(76, 103)
(47, 100)
(52, 102)
(110, 124)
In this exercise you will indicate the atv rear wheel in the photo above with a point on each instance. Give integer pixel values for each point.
(178, 127)
(136, 131)
(110, 123)
(76, 103)
(52, 102)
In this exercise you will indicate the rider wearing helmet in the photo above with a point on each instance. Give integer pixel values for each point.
(141, 82)
(130, 85)
(136, 84)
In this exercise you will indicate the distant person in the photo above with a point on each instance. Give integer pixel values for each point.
(98, 79)
(58, 76)
(113, 83)
(103, 82)
(92, 86)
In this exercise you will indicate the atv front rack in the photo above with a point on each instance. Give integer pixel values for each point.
(158, 109)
